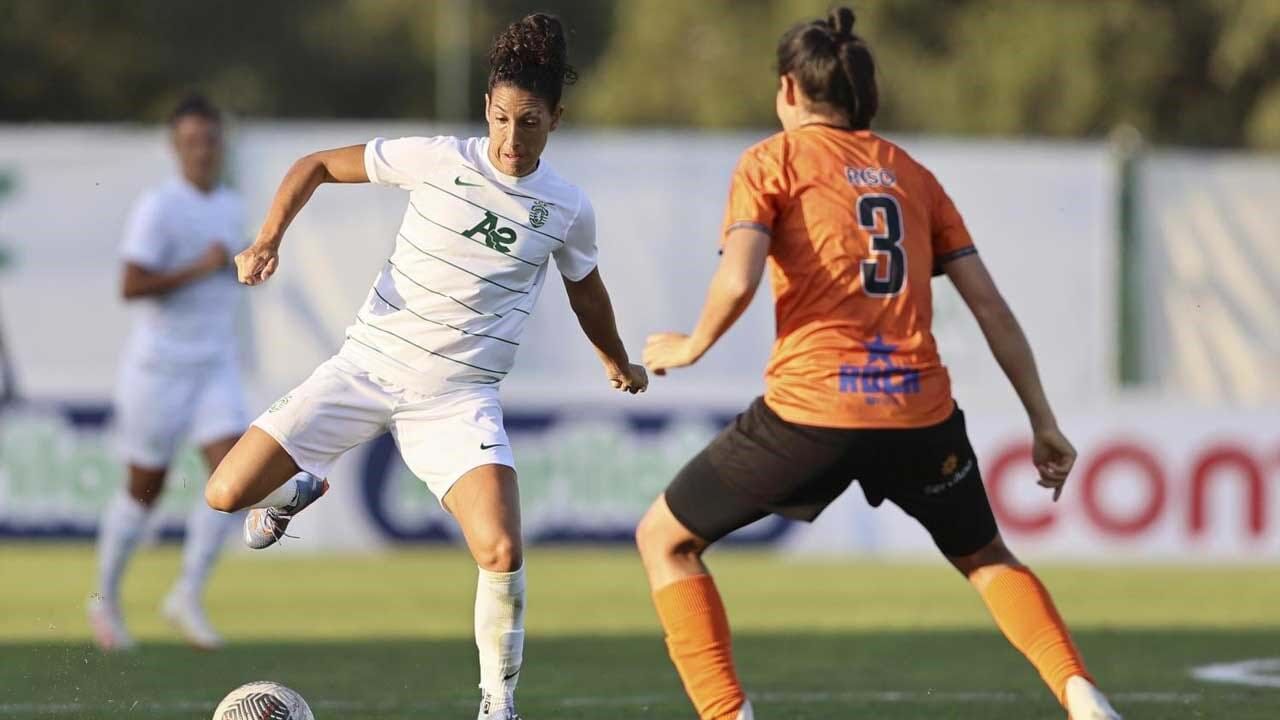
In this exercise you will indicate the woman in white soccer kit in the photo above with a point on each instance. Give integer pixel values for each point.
(180, 373)
(439, 331)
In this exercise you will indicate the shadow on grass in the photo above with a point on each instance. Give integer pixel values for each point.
(898, 674)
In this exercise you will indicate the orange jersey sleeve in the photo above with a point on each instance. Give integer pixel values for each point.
(950, 237)
(759, 189)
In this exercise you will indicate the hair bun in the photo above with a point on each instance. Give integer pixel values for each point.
(535, 43)
(841, 21)
(533, 53)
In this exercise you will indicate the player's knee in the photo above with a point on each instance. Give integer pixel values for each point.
(148, 494)
(146, 484)
(499, 555)
(656, 537)
(648, 535)
(991, 558)
(222, 495)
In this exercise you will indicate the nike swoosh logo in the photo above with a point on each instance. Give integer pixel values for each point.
(459, 181)
(486, 447)
(508, 677)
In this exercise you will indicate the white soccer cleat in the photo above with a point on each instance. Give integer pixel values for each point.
(745, 713)
(186, 614)
(1086, 702)
(263, 527)
(108, 627)
(492, 708)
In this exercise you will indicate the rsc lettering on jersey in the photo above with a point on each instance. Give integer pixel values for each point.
(880, 376)
(870, 176)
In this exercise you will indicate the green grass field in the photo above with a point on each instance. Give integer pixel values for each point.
(389, 636)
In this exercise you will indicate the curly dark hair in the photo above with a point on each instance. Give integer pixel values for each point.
(532, 54)
(833, 66)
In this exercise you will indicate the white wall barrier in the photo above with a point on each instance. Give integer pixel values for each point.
(1154, 482)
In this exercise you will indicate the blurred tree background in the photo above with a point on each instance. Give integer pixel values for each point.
(1190, 72)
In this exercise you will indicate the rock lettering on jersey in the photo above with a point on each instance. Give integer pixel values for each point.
(880, 375)
(496, 237)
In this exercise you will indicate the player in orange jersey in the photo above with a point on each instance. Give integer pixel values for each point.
(852, 230)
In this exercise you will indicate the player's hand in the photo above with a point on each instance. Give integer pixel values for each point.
(663, 351)
(1053, 456)
(214, 258)
(632, 378)
(257, 263)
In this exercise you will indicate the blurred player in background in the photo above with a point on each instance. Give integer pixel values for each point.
(180, 376)
(439, 331)
(852, 229)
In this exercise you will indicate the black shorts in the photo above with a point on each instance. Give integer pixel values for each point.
(762, 465)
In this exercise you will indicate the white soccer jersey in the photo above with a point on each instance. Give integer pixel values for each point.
(469, 262)
(170, 228)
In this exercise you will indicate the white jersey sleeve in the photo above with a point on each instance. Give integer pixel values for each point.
(406, 162)
(578, 256)
(144, 240)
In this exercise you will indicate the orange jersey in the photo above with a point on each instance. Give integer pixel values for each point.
(857, 229)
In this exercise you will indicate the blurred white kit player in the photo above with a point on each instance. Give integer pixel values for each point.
(180, 376)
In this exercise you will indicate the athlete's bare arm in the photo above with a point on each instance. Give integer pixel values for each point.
(341, 165)
(138, 281)
(732, 287)
(589, 299)
(1052, 452)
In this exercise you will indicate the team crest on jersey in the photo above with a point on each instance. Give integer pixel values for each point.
(539, 213)
(880, 378)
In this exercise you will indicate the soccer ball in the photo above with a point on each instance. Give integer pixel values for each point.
(263, 700)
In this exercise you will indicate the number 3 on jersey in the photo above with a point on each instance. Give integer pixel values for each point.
(886, 272)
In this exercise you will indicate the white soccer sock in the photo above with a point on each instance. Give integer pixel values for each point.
(119, 530)
(500, 631)
(282, 496)
(206, 534)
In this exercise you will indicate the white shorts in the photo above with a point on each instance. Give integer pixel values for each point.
(159, 404)
(341, 405)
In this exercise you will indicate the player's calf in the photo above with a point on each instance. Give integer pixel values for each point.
(251, 475)
(1024, 611)
(692, 614)
(486, 503)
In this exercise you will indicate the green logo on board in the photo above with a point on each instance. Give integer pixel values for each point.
(498, 238)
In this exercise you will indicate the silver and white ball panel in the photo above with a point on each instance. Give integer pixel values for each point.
(263, 700)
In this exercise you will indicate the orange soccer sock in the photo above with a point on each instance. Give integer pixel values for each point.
(698, 639)
(1025, 614)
